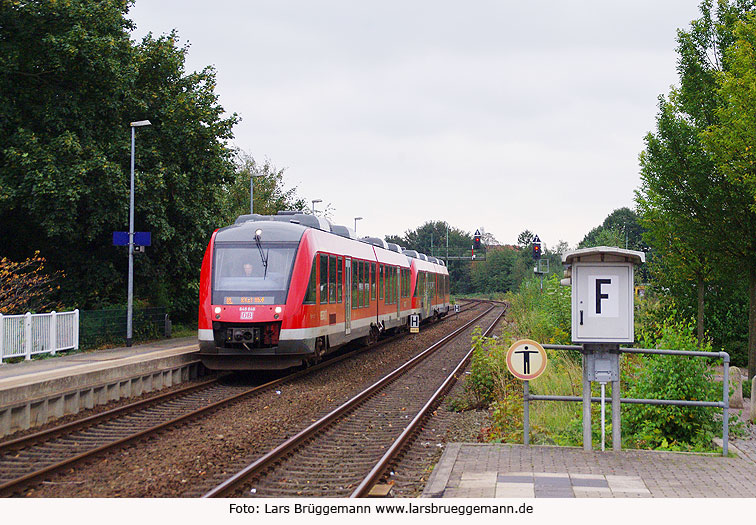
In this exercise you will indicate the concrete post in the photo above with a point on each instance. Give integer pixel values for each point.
(587, 435)
(27, 336)
(736, 384)
(53, 332)
(616, 419)
(76, 329)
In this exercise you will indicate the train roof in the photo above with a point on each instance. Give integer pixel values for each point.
(290, 226)
(245, 231)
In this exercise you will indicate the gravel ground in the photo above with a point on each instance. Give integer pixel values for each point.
(190, 459)
(411, 474)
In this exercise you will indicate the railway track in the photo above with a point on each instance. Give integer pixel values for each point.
(30, 459)
(347, 452)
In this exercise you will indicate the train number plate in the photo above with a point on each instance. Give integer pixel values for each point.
(246, 315)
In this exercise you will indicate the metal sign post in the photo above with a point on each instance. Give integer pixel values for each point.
(526, 360)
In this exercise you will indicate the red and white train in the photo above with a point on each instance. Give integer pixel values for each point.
(284, 290)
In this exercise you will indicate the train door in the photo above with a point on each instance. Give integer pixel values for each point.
(348, 296)
(425, 290)
(432, 292)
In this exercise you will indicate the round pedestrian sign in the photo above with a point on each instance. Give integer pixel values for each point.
(526, 359)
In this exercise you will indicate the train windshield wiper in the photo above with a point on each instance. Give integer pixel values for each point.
(263, 256)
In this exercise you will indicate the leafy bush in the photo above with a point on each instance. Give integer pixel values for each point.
(542, 316)
(671, 377)
(489, 376)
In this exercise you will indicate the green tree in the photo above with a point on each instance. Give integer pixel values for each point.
(72, 81)
(430, 239)
(270, 193)
(677, 206)
(732, 140)
(495, 273)
(620, 228)
(699, 218)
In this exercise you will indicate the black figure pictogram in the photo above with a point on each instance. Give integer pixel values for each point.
(526, 359)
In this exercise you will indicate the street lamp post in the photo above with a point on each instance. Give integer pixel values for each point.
(252, 176)
(130, 307)
(315, 201)
(355, 223)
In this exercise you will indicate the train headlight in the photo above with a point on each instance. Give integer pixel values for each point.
(278, 309)
(217, 309)
(258, 233)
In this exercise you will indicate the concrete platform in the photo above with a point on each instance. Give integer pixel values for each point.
(473, 470)
(35, 392)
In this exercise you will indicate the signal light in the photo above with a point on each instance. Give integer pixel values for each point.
(536, 251)
(476, 242)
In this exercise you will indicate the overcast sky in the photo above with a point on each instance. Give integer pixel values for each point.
(505, 115)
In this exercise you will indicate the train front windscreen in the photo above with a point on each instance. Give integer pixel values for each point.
(252, 273)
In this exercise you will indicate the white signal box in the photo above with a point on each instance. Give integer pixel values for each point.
(602, 294)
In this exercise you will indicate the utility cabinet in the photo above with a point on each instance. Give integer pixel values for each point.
(602, 294)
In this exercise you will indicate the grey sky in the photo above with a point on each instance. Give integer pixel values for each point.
(503, 115)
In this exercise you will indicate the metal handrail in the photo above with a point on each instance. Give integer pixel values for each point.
(724, 404)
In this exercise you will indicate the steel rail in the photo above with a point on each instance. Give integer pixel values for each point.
(290, 444)
(366, 485)
(52, 433)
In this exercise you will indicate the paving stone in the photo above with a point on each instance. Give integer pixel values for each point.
(554, 492)
(515, 490)
(601, 482)
(591, 491)
(630, 473)
(551, 482)
(506, 478)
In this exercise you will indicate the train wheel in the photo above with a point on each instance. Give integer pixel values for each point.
(317, 356)
(374, 334)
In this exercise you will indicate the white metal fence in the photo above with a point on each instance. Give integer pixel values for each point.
(29, 334)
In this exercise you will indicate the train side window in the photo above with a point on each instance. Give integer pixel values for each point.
(312, 286)
(393, 285)
(323, 279)
(362, 285)
(381, 284)
(366, 299)
(389, 293)
(332, 279)
(366, 287)
(340, 280)
(358, 277)
(372, 281)
(355, 284)
(387, 276)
